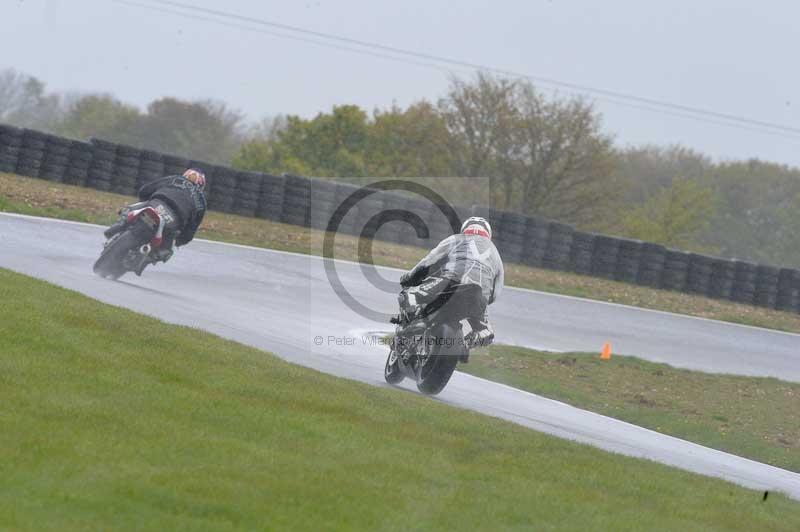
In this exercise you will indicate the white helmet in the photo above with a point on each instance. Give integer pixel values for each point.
(476, 225)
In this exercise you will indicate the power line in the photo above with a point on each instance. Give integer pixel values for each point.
(368, 48)
(429, 65)
(282, 35)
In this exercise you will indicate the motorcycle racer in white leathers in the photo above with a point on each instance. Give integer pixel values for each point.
(463, 274)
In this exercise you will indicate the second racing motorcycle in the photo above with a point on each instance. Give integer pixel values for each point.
(138, 240)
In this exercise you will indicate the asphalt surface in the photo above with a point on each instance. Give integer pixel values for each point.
(283, 303)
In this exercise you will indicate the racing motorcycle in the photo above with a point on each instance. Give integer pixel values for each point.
(426, 349)
(138, 242)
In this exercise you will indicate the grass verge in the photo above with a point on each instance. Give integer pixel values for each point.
(43, 198)
(758, 418)
(112, 420)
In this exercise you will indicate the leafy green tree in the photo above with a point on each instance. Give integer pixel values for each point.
(198, 130)
(675, 216)
(100, 116)
(203, 130)
(755, 197)
(328, 145)
(408, 143)
(647, 169)
(784, 247)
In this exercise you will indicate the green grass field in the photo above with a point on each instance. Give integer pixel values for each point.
(43, 198)
(758, 418)
(113, 420)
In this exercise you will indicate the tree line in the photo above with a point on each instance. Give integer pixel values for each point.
(500, 141)
(205, 130)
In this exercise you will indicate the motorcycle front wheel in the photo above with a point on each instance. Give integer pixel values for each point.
(391, 371)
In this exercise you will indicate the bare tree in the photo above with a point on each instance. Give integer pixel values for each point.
(23, 101)
(479, 117)
(562, 162)
(546, 156)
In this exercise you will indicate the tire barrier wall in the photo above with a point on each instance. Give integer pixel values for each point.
(297, 200)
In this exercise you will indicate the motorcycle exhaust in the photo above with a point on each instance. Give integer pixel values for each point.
(145, 250)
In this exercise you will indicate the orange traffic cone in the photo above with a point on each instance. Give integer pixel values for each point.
(605, 354)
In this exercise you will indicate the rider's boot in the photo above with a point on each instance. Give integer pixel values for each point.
(479, 338)
(481, 335)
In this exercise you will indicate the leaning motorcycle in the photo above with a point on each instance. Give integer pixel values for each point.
(138, 242)
(425, 349)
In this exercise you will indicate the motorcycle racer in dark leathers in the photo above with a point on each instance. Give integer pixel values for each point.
(463, 275)
(185, 203)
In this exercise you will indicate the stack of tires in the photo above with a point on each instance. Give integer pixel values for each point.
(415, 213)
(744, 282)
(31, 153)
(605, 257)
(220, 185)
(126, 170)
(323, 204)
(101, 171)
(296, 200)
(788, 298)
(651, 264)
(767, 286)
(509, 235)
(580, 258)
(80, 159)
(723, 273)
(248, 190)
(174, 165)
(628, 260)
(676, 270)
(559, 246)
(151, 167)
(10, 146)
(56, 158)
(537, 235)
(698, 280)
(438, 225)
(348, 219)
(270, 199)
(483, 212)
(369, 209)
(393, 221)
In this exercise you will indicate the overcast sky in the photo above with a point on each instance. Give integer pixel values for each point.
(733, 57)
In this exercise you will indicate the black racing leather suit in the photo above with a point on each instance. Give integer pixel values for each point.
(185, 200)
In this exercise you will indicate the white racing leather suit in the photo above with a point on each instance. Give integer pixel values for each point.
(460, 261)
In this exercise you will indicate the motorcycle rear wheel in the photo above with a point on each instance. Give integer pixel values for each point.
(440, 364)
(111, 262)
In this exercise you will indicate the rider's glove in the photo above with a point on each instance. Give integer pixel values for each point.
(405, 280)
